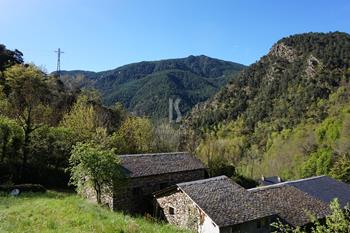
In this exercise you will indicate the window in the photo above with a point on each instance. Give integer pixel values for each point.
(137, 191)
(171, 210)
(163, 185)
(262, 223)
(265, 222)
(258, 224)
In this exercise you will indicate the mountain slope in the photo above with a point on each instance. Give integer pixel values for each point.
(296, 72)
(287, 114)
(145, 87)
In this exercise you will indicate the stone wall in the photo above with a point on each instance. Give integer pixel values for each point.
(106, 196)
(136, 195)
(189, 216)
(186, 213)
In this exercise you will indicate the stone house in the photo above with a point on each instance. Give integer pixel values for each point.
(214, 205)
(219, 205)
(148, 173)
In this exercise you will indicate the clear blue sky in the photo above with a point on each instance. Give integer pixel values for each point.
(101, 34)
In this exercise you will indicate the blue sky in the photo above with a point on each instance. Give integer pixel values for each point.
(104, 34)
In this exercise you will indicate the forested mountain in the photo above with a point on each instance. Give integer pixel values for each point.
(287, 114)
(145, 87)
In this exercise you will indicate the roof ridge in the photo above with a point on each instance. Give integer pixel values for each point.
(153, 154)
(285, 183)
(203, 180)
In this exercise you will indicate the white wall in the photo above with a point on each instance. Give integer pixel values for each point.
(208, 227)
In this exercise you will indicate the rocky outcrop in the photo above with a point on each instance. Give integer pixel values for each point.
(312, 66)
(283, 51)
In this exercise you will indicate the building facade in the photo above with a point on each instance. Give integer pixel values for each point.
(136, 196)
(146, 174)
(213, 205)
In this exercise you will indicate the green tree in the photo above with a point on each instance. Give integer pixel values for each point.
(220, 153)
(4, 104)
(134, 136)
(319, 163)
(9, 58)
(166, 138)
(28, 96)
(94, 166)
(81, 119)
(51, 147)
(341, 169)
(11, 141)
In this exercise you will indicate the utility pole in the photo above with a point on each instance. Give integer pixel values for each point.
(59, 52)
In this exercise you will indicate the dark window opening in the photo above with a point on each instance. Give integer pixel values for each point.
(265, 222)
(171, 211)
(137, 191)
(258, 224)
(163, 185)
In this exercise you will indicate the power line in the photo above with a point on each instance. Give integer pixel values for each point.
(59, 52)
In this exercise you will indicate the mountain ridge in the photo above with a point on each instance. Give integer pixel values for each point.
(192, 79)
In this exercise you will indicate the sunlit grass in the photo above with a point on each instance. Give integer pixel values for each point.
(60, 212)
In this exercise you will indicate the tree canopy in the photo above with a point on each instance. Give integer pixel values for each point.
(94, 166)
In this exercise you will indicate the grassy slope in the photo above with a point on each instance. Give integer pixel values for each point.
(58, 212)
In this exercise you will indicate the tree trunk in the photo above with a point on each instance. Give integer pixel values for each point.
(25, 149)
(27, 132)
(98, 193)
(5, 139)
(3, 150)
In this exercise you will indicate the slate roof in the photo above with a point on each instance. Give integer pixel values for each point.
(226, 202)
(138, 165)
(324, 188)
(292, 205)
(295, 200)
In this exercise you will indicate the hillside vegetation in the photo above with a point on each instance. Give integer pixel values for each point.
(60, 212)
(42, 120)
(287, 114)
(144, 88)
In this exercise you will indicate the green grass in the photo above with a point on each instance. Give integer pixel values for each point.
(60, 212)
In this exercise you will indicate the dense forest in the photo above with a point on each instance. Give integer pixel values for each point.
(145, 87)
(287, 114)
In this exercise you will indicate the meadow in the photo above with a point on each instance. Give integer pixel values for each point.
(66, 212)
